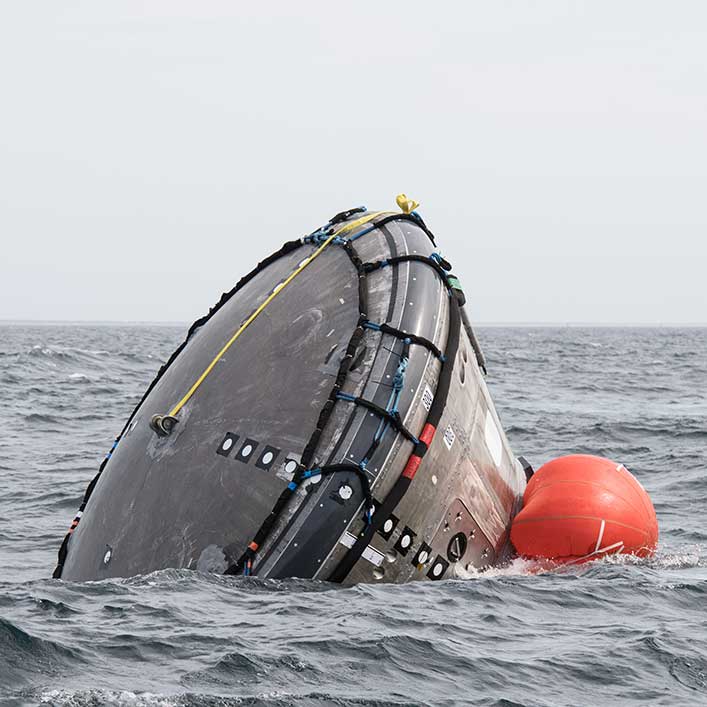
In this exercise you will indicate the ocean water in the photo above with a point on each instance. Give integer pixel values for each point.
(615, 632)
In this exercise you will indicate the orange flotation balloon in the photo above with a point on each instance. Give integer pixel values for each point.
(581, 507)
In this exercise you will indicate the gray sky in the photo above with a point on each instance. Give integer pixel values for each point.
(152, 152)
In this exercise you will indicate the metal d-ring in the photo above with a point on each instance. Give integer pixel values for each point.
(163, 424)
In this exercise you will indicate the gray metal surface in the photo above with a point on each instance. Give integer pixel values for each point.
(178, 501)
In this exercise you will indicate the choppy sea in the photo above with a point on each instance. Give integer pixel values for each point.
(615, 632)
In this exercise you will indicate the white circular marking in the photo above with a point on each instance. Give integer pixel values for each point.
(227, 444)
(346, 492)
(246, 450)
(267, 457)
(291, 466)
(388, 525)
(434, 479)
(422, 557)
(107, 556)
(315, 479)
(405, 541)
(437, 570)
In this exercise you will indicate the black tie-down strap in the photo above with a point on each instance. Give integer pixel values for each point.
(392, 417)
(346, 215)
(406, 336)
(412, 218)
(436, 263)
(225, 297)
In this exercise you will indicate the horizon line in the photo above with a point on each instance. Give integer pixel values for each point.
(185, 323)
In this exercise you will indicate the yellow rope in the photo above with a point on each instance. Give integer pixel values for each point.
(344, 229)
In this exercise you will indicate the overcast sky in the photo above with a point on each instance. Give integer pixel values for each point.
(153, 152)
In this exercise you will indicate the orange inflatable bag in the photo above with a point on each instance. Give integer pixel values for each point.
(581, 507)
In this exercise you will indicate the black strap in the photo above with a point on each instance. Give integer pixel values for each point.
(392, 417)
(403, 335)
(411, 258)
(346, 215)
(413, 218)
